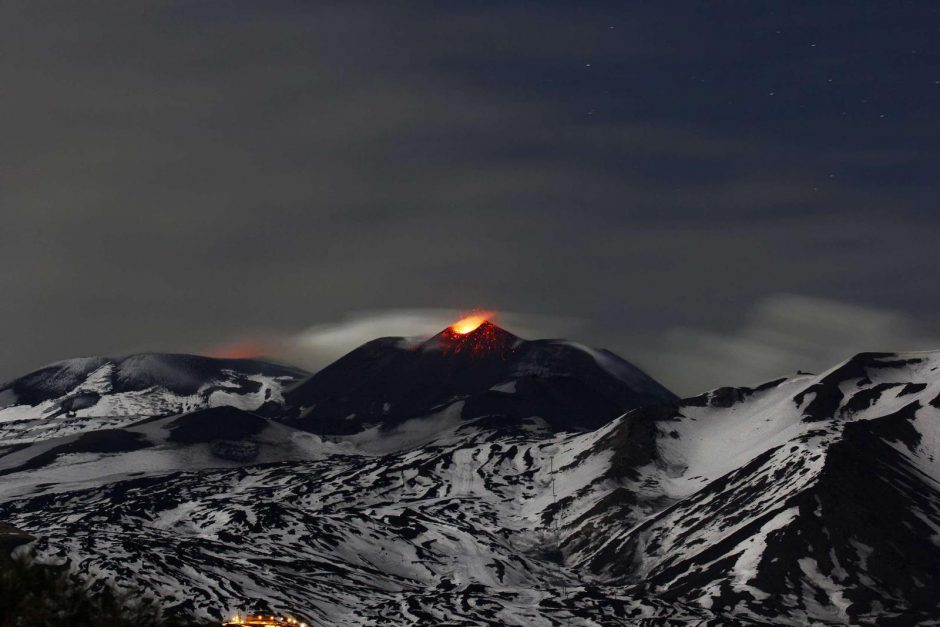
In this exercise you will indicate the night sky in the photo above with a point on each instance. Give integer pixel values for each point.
(721, 192)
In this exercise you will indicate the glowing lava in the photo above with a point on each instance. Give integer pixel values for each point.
(475, 334)
(470, 323)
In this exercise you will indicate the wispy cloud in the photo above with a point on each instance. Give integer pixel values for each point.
(782, 334)
(173, 178)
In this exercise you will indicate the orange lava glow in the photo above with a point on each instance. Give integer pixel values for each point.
(239, 349)
(468, 324)
(475, 334)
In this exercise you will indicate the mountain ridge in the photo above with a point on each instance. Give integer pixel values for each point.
(811, 499)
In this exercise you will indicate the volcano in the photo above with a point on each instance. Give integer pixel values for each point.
(495, 375)
(473, 477)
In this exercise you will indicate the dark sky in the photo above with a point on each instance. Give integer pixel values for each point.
(687, 179)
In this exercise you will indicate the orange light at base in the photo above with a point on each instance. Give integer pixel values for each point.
(262, 620)
(470, 323)
(239, 349)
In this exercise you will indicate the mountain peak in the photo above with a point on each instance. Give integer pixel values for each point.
(470, 323)
(472, 336)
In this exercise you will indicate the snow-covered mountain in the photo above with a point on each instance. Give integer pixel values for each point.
(807, 500)
(92, 393)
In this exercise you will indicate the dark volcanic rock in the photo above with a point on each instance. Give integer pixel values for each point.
(82, 400)
(215, 423)
(727, 396)
(389, 380)
(867, 525)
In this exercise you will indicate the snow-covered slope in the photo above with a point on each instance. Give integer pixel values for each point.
(815, 498)
(809, 500)
(91, 393)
